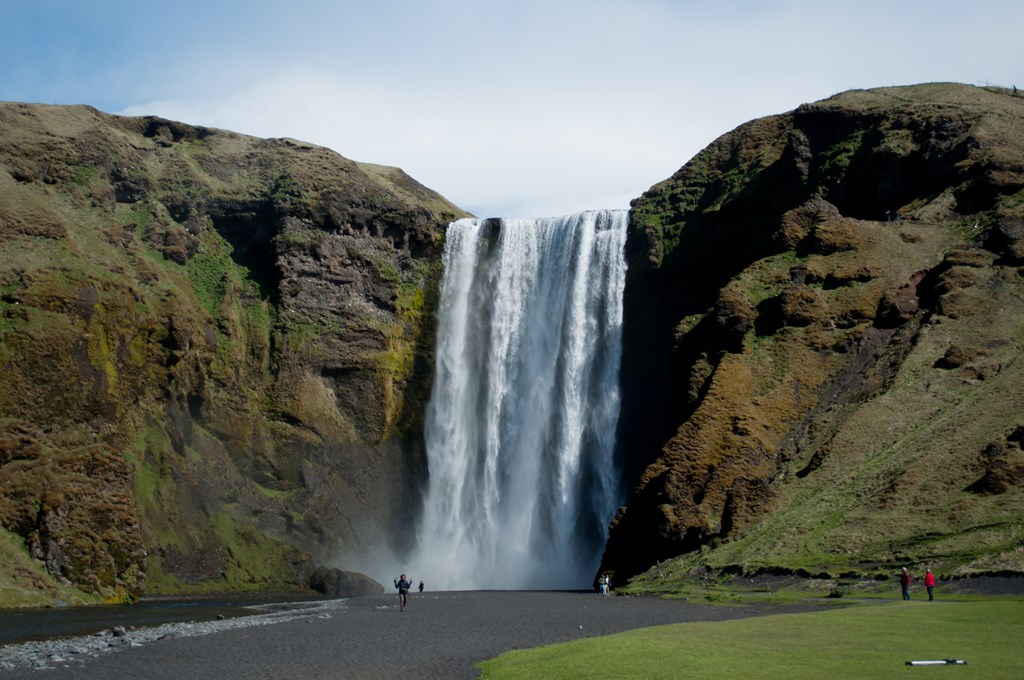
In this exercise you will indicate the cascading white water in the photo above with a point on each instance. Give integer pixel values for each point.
(521, 422)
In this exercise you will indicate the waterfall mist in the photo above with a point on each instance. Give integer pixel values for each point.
(520, 428)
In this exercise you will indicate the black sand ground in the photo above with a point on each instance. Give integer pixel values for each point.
(439, 635)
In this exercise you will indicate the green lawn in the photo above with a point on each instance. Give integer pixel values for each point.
(869, 641)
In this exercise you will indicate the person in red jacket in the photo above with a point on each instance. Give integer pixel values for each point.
(929, 583)
(905, 583)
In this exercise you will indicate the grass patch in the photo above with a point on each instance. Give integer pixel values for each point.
(837, 158)
(25, 581)
(860, 642)
(254, 561)
(209, 271)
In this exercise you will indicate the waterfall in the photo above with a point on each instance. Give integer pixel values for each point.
(520, 427)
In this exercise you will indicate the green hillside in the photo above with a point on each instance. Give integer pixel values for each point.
(215, 351)
(838, 298)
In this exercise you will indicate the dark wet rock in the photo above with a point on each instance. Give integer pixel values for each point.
(338, 583)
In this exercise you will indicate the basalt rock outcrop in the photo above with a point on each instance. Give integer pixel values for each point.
(215, 351)
(823, 355)
(338, 583)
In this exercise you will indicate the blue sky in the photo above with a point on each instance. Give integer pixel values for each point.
(508, 108)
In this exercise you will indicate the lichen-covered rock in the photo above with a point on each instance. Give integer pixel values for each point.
(75, 511)
(237, 330)
(859, 258)
(1003, 464)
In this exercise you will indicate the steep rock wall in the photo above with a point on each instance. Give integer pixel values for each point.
(240, 330)
(823, 340)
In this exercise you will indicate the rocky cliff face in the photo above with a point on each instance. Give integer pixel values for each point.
(215, 351)
(823, 366)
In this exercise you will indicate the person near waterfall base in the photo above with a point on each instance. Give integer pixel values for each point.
(404, 585)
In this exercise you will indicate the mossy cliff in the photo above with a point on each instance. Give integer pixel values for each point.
(215, 352)
(823, 364)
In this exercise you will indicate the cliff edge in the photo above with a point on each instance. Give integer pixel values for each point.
(215, 353)
(823, 364)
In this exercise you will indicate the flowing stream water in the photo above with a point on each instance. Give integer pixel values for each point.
(520, 429)
(20, 625)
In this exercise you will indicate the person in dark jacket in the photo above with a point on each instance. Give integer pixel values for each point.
(404, 585)
(905, 583)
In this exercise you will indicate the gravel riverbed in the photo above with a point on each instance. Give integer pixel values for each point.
(70, 651)
(439, 635)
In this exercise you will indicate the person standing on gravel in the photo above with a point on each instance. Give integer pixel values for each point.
(404, 585)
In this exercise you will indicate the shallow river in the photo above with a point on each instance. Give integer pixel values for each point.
(22, 625)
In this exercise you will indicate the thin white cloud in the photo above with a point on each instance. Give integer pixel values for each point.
(508, 107)
(568, 151)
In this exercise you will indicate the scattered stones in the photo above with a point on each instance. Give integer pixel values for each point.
(68, 651)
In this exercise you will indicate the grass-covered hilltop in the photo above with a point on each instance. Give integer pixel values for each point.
(825, 325)
(216, 350)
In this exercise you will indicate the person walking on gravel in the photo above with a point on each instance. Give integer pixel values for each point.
(404, 585)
